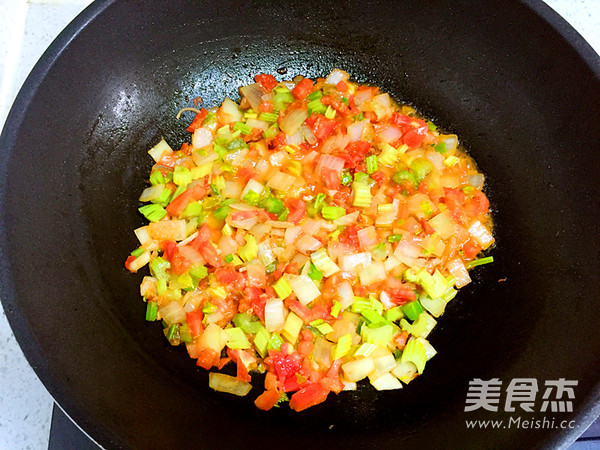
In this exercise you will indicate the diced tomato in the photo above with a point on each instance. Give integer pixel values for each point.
(400, 340)
(230, 277)
(204, 233)
(322, 127)
(332, 384)
(244, 215)
(194, 321)
(285, 366)
(279, 140)
(400, 119)
(305, 348)
(311, 395)
(342, 86)
(246, 173)
(179, 264)
(199, 191)
(331, 178)
(341, 197)
(267, 400)
(267, 81)
(340, 107)
(302, 89)
(128, 261)
(167, 160)
(477, 205)
(297, 208)
(350, 237)
(415, 136)
(355, 152)
(169, 249)
(223, 362)
(198, 120)
(242, 370)
(265, 107)
(258, 305)
(186, 148)
(207, 358)
(470, 250)
(428, 229)
(454, 198)
(304, 312)
(379, 177)
(177, 205)
(208, 252)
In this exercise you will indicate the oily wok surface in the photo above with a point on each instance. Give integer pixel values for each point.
(517, 85)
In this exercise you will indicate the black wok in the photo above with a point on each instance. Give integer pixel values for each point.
(516, 83)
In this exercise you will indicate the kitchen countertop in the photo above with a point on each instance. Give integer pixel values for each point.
(29, 26)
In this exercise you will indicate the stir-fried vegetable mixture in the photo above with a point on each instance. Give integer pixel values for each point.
(312, 232)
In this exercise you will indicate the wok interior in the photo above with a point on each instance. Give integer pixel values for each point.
(527, 315)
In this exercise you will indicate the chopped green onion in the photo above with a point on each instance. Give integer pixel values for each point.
(345, 100)
(431, 126)
(182, 176)
(330, 112)
(343, 346)
(153, 212)
(156, 177)
(283, 214)
(220, 150)
(184, 333)
(346, 178)
(261, 341)
(241, 126)
(138, 251)
(272, 205)
(479, 262)
(440, 148)
(360, 117)
(421, 167)
(332, 212)
(270, 268)
(371, 162)
(172, 332)
(275, 342)
(237, 144)
(245, 322)
(316, 107)
(314, 96)
(394, 237)
(151, 310)
(335, 309)
(412, 310)
(193, 209)
(198, 272)
(394, 314)
(269, 117)
(209, 308)
(237, 339)
(249, 250)
(164, 198)
(252, 198)
(404, 175)
(281, 99)
(158, 267)
(228, 258)
(221, 212)
(314, 274)
(282, 288)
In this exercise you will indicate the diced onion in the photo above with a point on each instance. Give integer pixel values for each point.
(291, 121)
(367, 237)
(391, 133)
(142, 234)
(229, 111)
(336, 76)
(167, 230)
(345, 293)
(457, 269)
(358, 369)
(152, 193)
(202, 137)
(281, 181)
(347, 219)
(253, 93)
(373, 273)
(355, 262)
(355, 130)
(476, 180)
(304, 288)
(481, 234)
(274, 315)
(226, 383)
(172, 313)
(252, 185)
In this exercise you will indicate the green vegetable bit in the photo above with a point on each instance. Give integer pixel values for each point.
(153, 212)
(151, 310)
(412, 310)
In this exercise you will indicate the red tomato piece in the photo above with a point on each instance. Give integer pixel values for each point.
(128, 261)
(308, 396)
(230, 277)
(169, 249)
(179, 264)
(265, 107)
(267, 400)
(342, 86)
(350, 237)
(331, 178)
(400, 340)
(322, 127)
(177, 205)
(198, 120)
(415, 136)
(208, 252)
(470, 250)
(302, 89)
(246, 173)
(244, 215)
(267, 81)
(194, 321)
(207, 358)
(167, 161)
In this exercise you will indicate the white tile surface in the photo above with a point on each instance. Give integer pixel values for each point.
(28, 27)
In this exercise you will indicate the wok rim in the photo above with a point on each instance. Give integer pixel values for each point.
(21, 327)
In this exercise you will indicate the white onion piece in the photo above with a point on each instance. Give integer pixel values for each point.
(252, 185)
(345, 294)
(481, 234)
(310, 226)
(362, 95)
(192, 254)
(291, 234)
(142, 234)
(281, 181)
(262, 166)
(355, 262)
(276, 159)
(227, 245)
(308, 134)
(292, 121)
(407, 252)
(348, 219)
(390, 133)
(232, 189)
(457, 269)
(253, 93)
(296, 139)
(274, 315)
(256, 275)
(229, 112)
(335, 143)
(265, 253)
(257, 123)
(437, 159)
(202, 137)
(245, 224)
(373, 273)
(170, 230)
(331, 162)
(307, 244)
(367, 237)
(200, 160)
(355, 130)
(172, 313)
(385, 300)
(225, 383)
(304, 288)
(336, 76)
(476, 180)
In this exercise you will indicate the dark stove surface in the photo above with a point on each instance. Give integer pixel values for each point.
(65, 435)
